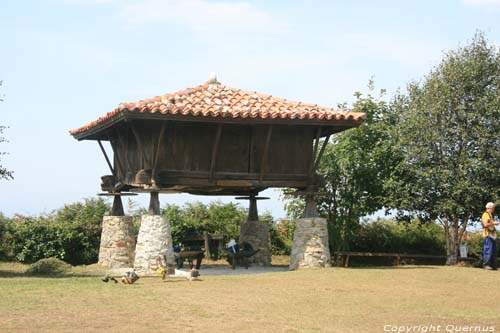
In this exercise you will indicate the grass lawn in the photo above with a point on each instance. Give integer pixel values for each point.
(335, 299)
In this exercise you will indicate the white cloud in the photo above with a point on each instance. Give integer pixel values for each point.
(199, 15)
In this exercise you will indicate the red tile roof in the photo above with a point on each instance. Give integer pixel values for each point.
(218, 100)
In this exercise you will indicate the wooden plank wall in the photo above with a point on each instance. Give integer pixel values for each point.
(188, 147)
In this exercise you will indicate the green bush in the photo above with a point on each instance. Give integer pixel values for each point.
(71, 233)
(281, 235)
(390, 236)
(48, 266)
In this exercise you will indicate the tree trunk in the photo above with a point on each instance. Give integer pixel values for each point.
(452, 242)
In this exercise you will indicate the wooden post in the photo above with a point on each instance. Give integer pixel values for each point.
(117, 209)
(252, 209)
(154, 204)
(311, 209)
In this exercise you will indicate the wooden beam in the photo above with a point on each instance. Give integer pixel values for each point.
(160, 140)
(215, 150)
(139, 144)
(318, 158)
(263, 163)
(106, 157)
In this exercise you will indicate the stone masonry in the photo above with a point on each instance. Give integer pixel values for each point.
(117, 242)
(154, 239)
(257, 234)
(310, 244)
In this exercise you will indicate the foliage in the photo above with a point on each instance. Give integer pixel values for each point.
(384, 235)
(194, 219)
(71, 233)
(48, 266)
(281, 235)
(447, 131)
(355, 166)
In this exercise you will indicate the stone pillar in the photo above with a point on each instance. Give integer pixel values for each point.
(257, 234)
(310, 244)
(117, 242)
(154, 239)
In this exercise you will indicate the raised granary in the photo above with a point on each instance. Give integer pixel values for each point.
(214, 140)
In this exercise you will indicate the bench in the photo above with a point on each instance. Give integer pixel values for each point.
(241, 255)
(397, 256)
(190, 256)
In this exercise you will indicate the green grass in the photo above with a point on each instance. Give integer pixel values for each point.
(336, 299)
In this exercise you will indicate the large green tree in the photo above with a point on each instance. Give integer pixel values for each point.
(449, 134)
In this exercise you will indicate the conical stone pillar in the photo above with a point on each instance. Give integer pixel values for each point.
(154, 239)
(117, 242)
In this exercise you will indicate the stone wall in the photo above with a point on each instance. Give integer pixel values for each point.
(154, 239)
(257, 234)
(117, 242)
(310, 244)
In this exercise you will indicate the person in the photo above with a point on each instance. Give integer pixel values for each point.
(490, 249)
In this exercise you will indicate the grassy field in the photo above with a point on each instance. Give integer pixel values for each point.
(336, 299)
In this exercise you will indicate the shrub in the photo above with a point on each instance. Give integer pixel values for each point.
(390, 236)
(71, 233)
(48, 266)
(281, 234)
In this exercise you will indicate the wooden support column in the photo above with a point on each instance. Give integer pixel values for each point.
(311, 209)
(154, 204)
(253, 215)
(117, 209)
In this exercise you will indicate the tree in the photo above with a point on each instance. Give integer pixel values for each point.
(354, 166)
(448, 132)
(4, 173)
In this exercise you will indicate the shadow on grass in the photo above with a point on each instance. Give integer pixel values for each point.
(14, 274)
(392, 267)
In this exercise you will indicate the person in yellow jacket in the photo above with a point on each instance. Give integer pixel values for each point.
(490, 249)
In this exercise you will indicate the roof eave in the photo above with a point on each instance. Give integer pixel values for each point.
(93, 133)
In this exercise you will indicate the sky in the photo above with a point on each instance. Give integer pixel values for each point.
(64, 63)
